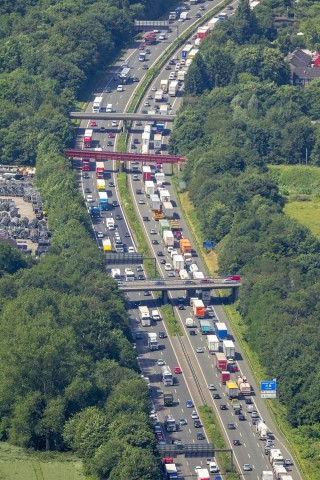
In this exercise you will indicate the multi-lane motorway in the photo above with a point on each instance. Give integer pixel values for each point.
(198, 369)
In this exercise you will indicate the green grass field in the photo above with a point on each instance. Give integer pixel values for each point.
(18, 464)
(300, 185)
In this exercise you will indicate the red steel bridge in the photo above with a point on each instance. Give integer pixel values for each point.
(104, 156)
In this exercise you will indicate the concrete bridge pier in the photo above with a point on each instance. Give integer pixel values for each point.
(164, 297)
(234, 294)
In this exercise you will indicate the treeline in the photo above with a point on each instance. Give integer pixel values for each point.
(69, 378)
(241, 119)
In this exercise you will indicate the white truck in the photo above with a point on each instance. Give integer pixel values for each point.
(213, 343)
(198, 275)
(153, 341)
(202, 474)
(178, 262)
(115, 273)
(129, 274)
(193, 268)
(164, 195)
(183, 274)
(155, 315)
(110, 223)
(166, 374)
(158, 96)
(173, 88)
(144, 316)
(167, 209)
(160, 178)
(97, 104)
(267, 475)
(164, 109)
(170, 423)
(168, 238)
(262, 430)
(181, 75)
(184, 15)
(275, 457)
(155, 202)
(149, 187)
(164, 84)
(157, 140)
(228, 348)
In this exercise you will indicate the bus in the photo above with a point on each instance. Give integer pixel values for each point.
(142, 56)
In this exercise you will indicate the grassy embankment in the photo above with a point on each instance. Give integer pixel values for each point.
(301, 187)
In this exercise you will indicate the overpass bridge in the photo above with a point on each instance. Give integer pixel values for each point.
(190, 286)
(143, 117)
(103, 156)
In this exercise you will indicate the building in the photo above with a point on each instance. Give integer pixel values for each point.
(304, 67)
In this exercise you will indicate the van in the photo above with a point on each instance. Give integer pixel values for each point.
(213, 468)
(120, 88)
(109, 108)
(172, 76)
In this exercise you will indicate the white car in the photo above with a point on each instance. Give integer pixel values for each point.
(199, 350)
(162, 37)
(177, 67)
(114, 123)
(141, 202)
(131, 250)
(161, 362)
(89, 198)
(247, 467)
(213, 468)
(172, 76)
(120, 88)
(100, 234)
(168, 267)
(211, 386)
(194, 415)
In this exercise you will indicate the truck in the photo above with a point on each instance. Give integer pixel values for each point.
(220, 361)
(193, 53)
(203, 31)
(203, 474)
(158, 95)
(85, 165)
(213, 343)
(181, 75)
(167, 398)
(129, 274)
(167, 209)
(199, 309)
(144, 316)
(178, 262)
(160, 127)
(146, 173)
(106, 245)
(115, 273)
(160, 179)
(262, 430)
(275, 457)
(152, 341)
(280, 472)
(101, 184)
(228, 348)
(149, 187)
(243, 385)
(183, 274)
(198, 275)
(164, 109)
(184, 15)
(155, 315)
(157, 214)
(168, 238)
(157, 140)
(103, 200)
(163, 225)
(173, 88)
(87, 138)
(205, 326)
(190, 323)
(164, 195)
(267, 475)
(223, 16)
(186, 49)
(155, 202)
(100, 170)
(97, 104)
(170, 423)
(193, 267)
(232, 389)
(171, 472)
(150, 38)
(185, 245)
(221, 330)
(224, 376)
(95, 211)
(110, 223)
(166, 374)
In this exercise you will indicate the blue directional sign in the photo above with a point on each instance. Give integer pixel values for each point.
(268, 385)
(208, 244)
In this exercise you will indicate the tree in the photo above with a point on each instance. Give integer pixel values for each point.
(197, 78)
(244, 23)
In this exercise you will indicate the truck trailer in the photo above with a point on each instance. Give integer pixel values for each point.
(221, 330)
(144, 316)
(170, 423)
(173, 88)
(164, 85)
(224, 376)
(220, 361)
(199, 308)
(153, 341)
(178, 262)
(168, 398)
(205, 327)
(213, 343)
(168, 238)
(228, 348)
(166, 374)
(262, 430)
(203, 474)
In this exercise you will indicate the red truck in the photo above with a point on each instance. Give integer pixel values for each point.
(224, 377)
(100, 170)
(85, 165)
(150, 38)
(87, 138)
(221, 362)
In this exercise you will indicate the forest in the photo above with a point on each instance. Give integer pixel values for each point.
(239, 115)
(69, 378)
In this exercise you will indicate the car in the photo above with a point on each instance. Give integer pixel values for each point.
(141, 277)
(114, 123)
(254, 414)
(189, 404)
(197, 15)
(127, 235)
(218, 477)
(89, 198)
(107, 90)
(152, 231)
(255, 421)
(147, 293)
(109, 143)
(93, 123)
(87, 190)
(269, 443)
(223, 407)
(242, 418)
(247, 467)
(192, 333)
(176, 441)
(188, 282)
(160, 254)
(119, 88)
(148, 51)
(162, 37)
(168, 266)
(199, 350)
(145, 219)
(118, 217)
(133, 146)
(161, 362)
(216, 396)
(194, 415)
(131, 250)
(177, 370)
(100, 234)
(111, 184)
(138, 335)
(157, 152)
(231, 426)
(181, 307)
(201, 436)
(159, 436)
(86, 175)
(248, 401)
(168, 67)
(102, 129)
(162, 334)
(287, 462)
(172, 76)
(183, 421)
(141, 46)
(197, 424)
(110, 135)
(236, 442)
(170, 274)
(154, 89)
(202, 7)
(229, 7)
(136, 79)
(213, 467)
(141, 202)
(159, 282)
(138, 191)
(145, 67)
(211, 386)
(237, 411)
(155, 242)
(146, 104)
(163, 261)
(115, 203)
(135, 178)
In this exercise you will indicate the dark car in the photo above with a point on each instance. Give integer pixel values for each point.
(141, 277)
(242, 417)
(115, 203)
(87, 190)
(86, 175)
(127, 234)
(138, 336)
(146, 293)
(248, 400)
(118, 217)
(136, 140)
(216, 396)
(162, 334)
(163, 261)
(223, 407)
(197, 424)
(236, 442)
(155, 242)
(111, 184)
(160, 254)
(231, 426)
(181, 307)
(145, 219)
(109, 143)
(255, 421)
(200, 436)
(138, 191)
(237, 411)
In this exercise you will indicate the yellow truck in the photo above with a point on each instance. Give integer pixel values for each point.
(106, 245)
(232, 390)
(157, 215)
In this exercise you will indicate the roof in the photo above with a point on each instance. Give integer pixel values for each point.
(299, 58)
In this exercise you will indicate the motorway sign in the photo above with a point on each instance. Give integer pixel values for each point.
(269, 394)
(268, 389)
(208, 244)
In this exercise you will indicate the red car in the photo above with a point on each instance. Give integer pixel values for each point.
(93, 123)
(110, 135)
(177, 370)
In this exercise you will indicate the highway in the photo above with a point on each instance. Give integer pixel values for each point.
(199, 369)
